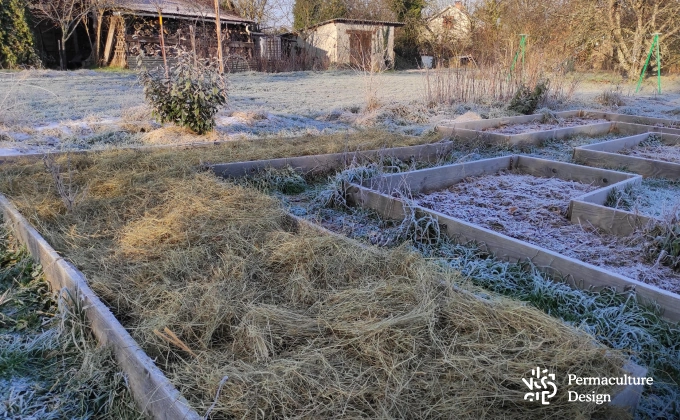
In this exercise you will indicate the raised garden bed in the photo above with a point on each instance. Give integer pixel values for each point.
(516, 280)
(665, 125)
(536, 129)
(653, 198)
(542, 125)
(249, 312)
(652, 155)
(584, 211)
(533, 209)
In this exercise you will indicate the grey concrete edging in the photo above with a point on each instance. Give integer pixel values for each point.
(152, 391)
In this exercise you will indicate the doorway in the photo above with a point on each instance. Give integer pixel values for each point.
(360, 49)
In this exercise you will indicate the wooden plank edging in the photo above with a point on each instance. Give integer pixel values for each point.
(603, 155)
(580, 274)
(530, 138)
(585, 114)
(315, 164)
(153, 392)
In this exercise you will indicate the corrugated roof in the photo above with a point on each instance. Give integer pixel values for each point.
(357, 22)
(180, 8)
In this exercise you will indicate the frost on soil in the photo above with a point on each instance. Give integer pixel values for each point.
(543, 126)
(534, 210)
(653, 148)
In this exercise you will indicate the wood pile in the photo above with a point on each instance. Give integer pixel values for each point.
(143, 38)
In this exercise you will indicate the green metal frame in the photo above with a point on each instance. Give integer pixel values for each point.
(520, 53)
(652, 50)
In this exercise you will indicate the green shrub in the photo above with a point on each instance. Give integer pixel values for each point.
(16, 38)
(190, 96)
(526, 100)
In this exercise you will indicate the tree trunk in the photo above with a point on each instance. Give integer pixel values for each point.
(98, 38)
(62, 54)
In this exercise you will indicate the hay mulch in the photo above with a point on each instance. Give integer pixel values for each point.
(241, 305)
(534, 209)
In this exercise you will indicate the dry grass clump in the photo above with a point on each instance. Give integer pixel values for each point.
(221, 286)
(450, 85)
(137, 119)
(175, 135)
(249, 117)
(611, 97)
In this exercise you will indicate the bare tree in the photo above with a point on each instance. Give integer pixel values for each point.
(257, 10)
(631, 24)
(66, 14)
(98, 8)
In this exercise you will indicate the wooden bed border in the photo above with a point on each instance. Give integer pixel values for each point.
(376, 195)
(153, 393)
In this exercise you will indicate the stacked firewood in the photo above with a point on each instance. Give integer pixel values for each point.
(145, 37)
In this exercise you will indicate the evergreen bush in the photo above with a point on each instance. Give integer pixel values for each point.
(191, 94)
(16, 39)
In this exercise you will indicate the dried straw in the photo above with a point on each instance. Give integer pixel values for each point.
(303, 325)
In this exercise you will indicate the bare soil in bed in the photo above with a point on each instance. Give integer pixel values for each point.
(543, 126)
(534, 209)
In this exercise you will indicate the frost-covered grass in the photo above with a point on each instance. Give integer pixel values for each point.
(50, 365)
(616, 319)
(46, 96)
(653, 197)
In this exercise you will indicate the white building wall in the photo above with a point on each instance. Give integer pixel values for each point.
(321, 42)
(382, 43)
(331, 42)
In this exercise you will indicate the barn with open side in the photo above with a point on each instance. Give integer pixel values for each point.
(133, 34)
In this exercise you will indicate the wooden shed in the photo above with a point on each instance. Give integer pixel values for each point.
(133, 34)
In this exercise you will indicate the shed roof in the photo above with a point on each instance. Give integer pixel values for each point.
(180, 9)
(357, 22)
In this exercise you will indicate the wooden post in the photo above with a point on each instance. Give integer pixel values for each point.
(192, 32)
(113, 21)
(98, 37)
(165, 59)
(218, 26)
